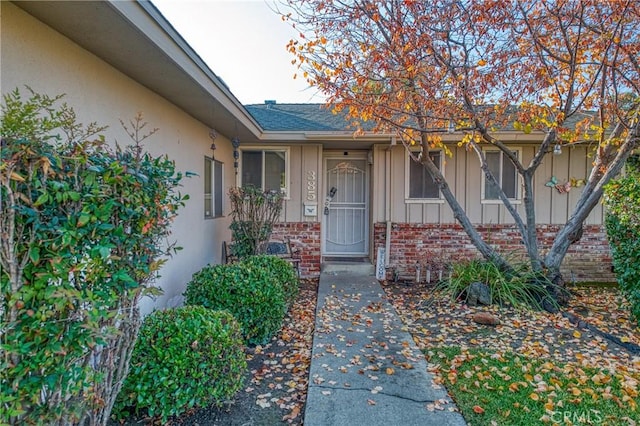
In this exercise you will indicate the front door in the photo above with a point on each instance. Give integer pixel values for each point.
(345, 212)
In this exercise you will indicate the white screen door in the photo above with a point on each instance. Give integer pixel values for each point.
(346, 214)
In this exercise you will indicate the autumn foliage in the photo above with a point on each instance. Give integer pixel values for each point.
(566, 70)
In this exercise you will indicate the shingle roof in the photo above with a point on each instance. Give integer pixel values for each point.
(298, 117)
(319, 117)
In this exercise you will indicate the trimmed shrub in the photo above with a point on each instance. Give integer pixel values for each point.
(622, 198)
(184, 357)
(281, 273)
(247, 290)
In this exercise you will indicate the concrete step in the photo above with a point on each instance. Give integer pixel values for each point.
(359, 268)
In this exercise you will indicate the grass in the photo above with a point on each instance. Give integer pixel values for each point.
(494, 388)
(517, 287)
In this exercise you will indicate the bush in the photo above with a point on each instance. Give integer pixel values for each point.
(281, 273)
(518, 287)
(247, 290)
(84, 232)
(254, 213)
(622, 198)
(184, 357)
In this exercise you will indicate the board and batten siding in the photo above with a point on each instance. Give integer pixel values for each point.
(464, 176)
(305, 180)
(34, 54)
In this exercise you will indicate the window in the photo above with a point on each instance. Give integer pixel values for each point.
(213, 188)
(504, 172)
(265, 169)
(420, 184)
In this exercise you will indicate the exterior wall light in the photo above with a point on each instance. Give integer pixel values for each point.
(235, 142)
(213, 135)
(557, 150)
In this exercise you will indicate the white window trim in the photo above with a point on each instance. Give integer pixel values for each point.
(212, 162)
(287, 165)
(407, 178)
(518, 199)
(222, 198)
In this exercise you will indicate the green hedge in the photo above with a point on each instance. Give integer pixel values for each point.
(185, 357)
(280, 271)
(249, 290)
(622, 198)
(85, 229)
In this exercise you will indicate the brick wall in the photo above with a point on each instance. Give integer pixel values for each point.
(411, 244)
(305, 238)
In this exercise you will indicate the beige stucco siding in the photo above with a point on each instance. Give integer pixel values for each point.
(464, 176)
(33, 54)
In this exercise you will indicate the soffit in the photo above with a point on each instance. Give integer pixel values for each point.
(136, 39)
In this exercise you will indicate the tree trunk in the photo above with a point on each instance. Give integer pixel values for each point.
(458, 212)
(590, 197)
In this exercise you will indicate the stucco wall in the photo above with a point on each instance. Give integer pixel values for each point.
(33, 54)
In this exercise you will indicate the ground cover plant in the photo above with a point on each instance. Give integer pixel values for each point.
(514, 287)
(535, 367)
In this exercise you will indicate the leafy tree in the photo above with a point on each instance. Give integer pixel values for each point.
(83, 233)
(566, 69)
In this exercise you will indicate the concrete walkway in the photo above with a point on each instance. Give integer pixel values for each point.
(365, 367)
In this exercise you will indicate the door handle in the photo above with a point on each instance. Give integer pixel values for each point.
(327, 203)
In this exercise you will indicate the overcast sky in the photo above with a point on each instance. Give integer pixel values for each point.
(244, 43)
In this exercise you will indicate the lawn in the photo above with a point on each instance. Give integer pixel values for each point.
(533, 368)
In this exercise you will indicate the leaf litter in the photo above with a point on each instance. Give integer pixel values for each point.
(275, 390)
(562, 363)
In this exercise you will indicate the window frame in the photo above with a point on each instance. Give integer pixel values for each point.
(407, 180)
(215, 210)
(287, 165)
(518, 183)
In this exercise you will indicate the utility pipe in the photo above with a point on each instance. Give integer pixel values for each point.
(388, 210)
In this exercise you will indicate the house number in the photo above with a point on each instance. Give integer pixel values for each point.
(311, 186)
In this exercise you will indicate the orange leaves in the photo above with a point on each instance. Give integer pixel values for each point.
(478, 409)
(537, 359)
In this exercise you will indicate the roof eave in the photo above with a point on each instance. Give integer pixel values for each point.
(138, 41)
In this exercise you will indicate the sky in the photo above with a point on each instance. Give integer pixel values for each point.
(244, 43)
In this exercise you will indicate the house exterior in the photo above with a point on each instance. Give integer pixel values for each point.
(112, 59)
(385, 200)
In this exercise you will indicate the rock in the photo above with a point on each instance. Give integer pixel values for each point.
(478, 294)
(485, 318)
(550, 307)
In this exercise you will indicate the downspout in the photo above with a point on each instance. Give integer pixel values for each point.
(387, 200)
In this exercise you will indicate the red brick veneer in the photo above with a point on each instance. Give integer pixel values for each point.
(587, 260)
(305, 238)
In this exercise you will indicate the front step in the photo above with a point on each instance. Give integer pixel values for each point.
(359, 268)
